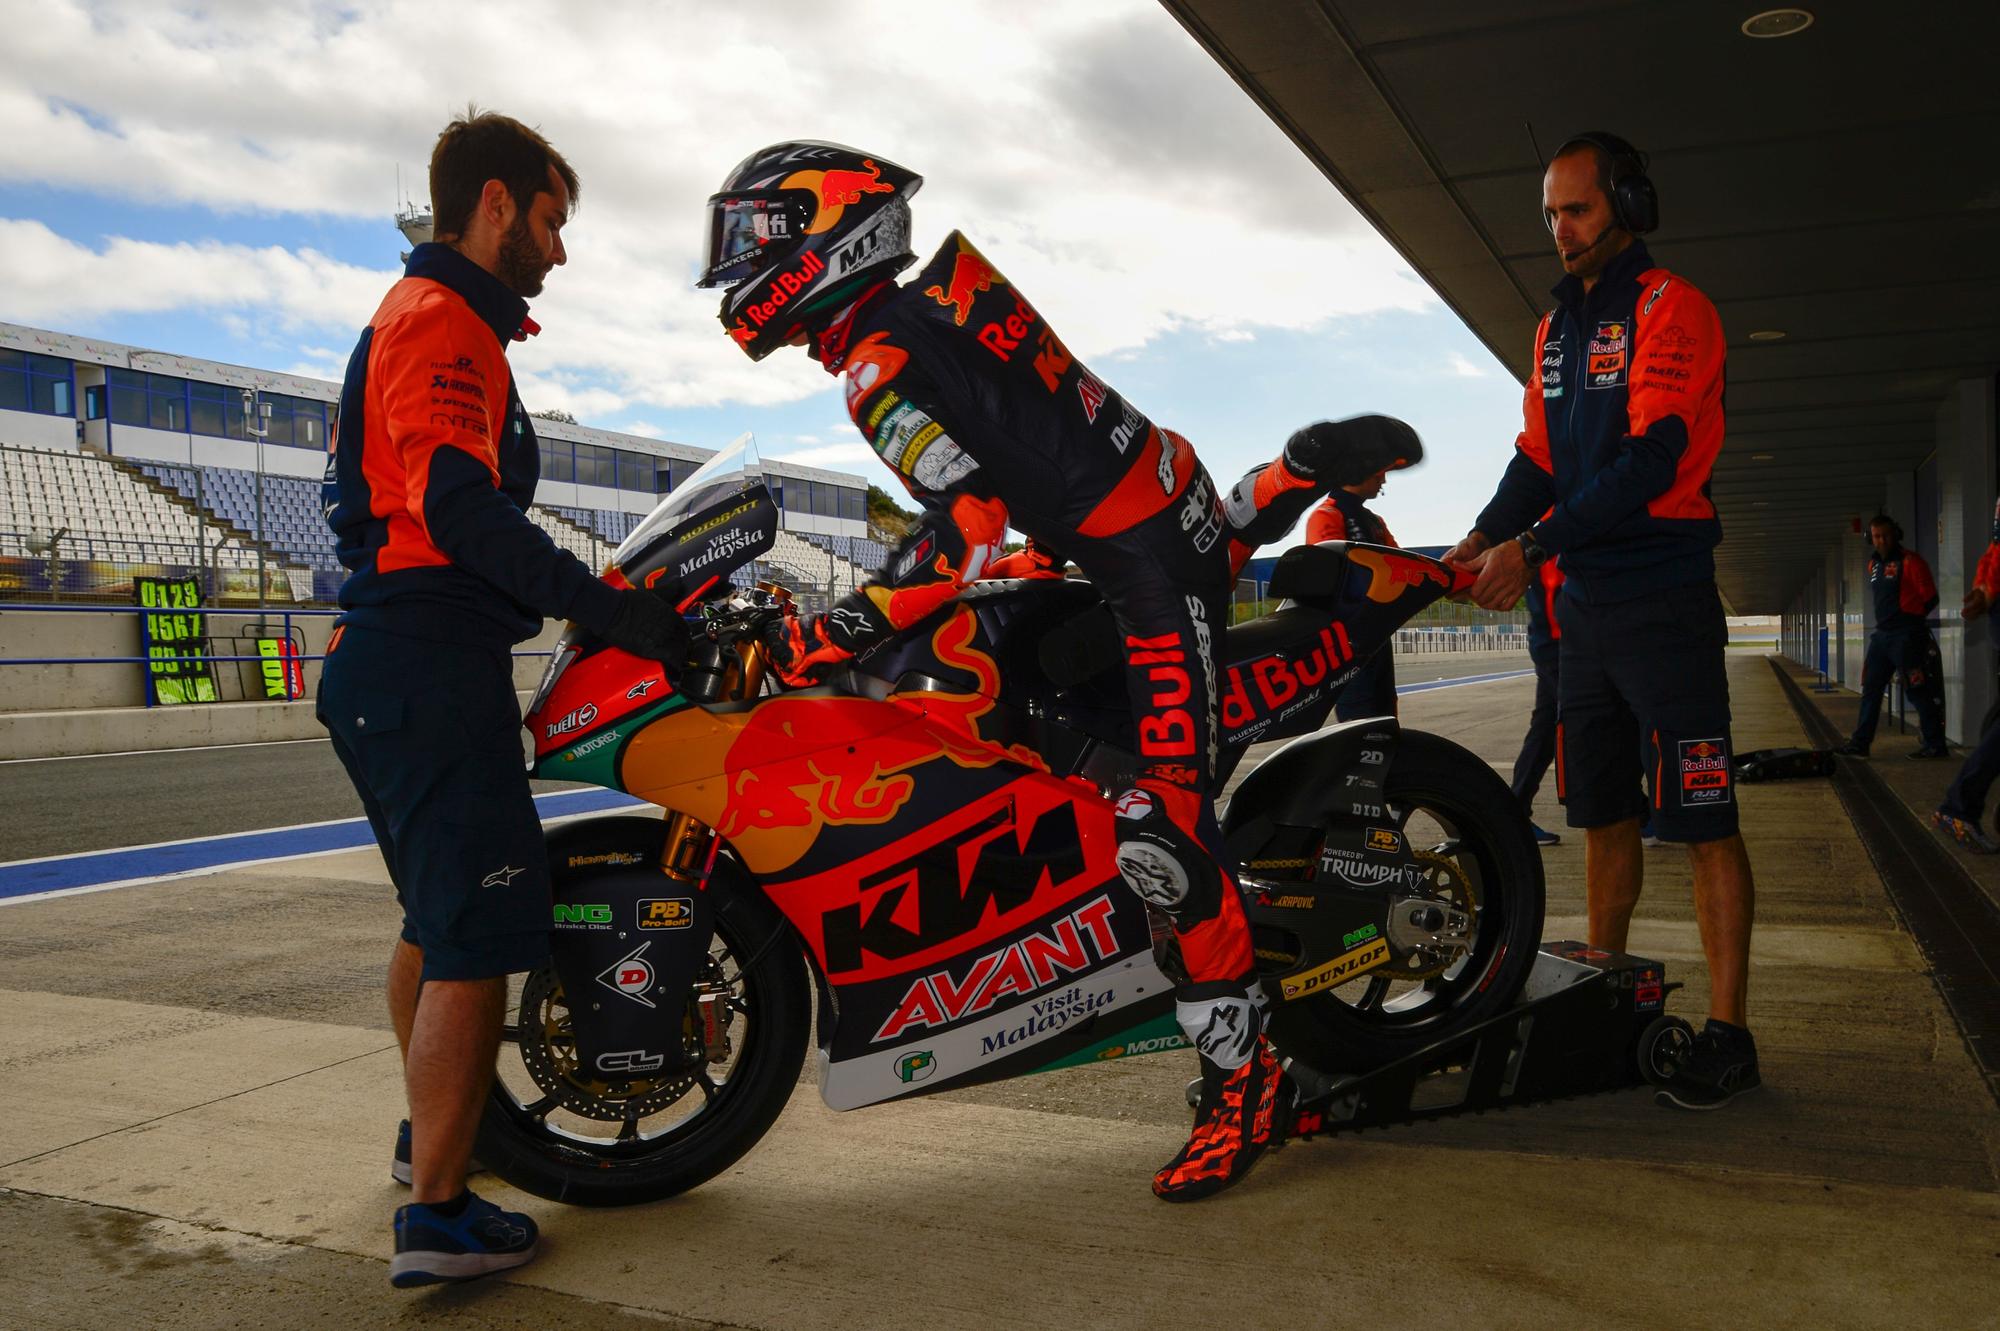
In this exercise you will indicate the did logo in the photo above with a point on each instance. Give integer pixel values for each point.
(916, 1067)
(631, 975)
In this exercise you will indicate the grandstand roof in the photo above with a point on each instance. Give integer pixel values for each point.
(95, 351)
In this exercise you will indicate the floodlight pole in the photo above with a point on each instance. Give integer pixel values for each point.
(256, 410)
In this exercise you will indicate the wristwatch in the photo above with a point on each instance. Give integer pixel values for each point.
(1532, 552)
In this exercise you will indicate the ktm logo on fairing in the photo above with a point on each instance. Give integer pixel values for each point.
(996, 862)
(970, 275)
(1021, 968)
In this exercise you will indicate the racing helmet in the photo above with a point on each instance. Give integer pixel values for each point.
(796, 230)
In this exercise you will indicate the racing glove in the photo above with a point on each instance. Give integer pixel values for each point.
(648, 628)
(801, 651)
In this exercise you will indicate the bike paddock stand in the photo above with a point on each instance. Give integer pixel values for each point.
(1586, 1021)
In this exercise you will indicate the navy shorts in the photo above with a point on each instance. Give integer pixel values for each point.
(1643, 714)
(429, 733)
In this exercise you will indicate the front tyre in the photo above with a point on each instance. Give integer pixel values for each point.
(552, 1130)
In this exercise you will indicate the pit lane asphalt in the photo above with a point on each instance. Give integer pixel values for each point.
(197, 1087)
(68, 805)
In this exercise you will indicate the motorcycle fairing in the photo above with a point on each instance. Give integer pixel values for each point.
(996, 924)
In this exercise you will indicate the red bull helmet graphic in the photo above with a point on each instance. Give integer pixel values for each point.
(797, 229)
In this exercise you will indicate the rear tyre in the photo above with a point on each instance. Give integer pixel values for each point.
(551, 1130)
(1455, 809)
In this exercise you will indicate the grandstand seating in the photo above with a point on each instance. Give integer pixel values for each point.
(113, 514)
(109, 514)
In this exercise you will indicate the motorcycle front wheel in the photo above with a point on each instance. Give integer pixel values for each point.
(551, 1129)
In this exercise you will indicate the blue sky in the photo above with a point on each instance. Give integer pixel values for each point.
(207, 181)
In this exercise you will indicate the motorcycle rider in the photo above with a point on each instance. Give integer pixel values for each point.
(965, 392)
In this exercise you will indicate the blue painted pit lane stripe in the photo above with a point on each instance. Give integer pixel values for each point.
(1467, 679)
(132, 865)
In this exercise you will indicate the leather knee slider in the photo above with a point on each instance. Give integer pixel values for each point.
(1162, 863)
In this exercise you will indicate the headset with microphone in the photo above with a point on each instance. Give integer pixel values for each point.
(1635, 204)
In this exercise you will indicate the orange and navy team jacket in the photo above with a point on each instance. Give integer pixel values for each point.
(1622, 421)
(1987, 576)
(433, 466)
(1345, 517)
(1902, 589)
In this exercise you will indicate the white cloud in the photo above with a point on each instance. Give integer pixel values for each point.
(1095, 153)
(50, 278)
(834, 457)
(1466, 368)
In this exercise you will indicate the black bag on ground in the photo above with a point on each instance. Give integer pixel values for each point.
(1783, 764)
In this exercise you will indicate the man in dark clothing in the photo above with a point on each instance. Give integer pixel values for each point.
(1344, 515)
(427, 485)
(1903, 594)
(1538, 746)
(969, 396)
(1965, 803)
(1622, 421)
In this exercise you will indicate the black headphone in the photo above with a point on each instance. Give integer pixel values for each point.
(1635, 204)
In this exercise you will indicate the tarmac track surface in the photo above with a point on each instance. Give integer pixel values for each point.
(199, 1090)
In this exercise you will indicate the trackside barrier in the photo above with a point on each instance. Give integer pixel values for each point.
(259, 625)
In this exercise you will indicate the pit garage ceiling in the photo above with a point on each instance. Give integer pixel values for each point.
(1840, 186)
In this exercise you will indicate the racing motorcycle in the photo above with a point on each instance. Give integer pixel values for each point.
(923, 844)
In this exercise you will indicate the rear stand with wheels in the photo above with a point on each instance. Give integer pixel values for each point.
(1586, 1021)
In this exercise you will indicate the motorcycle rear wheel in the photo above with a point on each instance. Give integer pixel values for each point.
(1449, 803)
(557, 1135)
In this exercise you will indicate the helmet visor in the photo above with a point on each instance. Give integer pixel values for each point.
(746, 232)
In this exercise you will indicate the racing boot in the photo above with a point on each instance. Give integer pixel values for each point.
(1243, 1093)
(1348, 452)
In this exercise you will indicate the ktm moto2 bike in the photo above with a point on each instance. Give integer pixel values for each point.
(918, 853)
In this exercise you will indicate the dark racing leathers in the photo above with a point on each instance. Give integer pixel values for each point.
(969, 396)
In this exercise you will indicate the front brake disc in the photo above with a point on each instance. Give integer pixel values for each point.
(548, 1049)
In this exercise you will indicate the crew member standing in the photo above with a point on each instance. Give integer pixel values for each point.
(427, 489)
(1623, 421)
(1904, 593)
(1344, 515)
(1965, 803)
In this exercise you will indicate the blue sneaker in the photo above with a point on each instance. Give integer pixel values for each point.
(399, 1160)
(1544, 837)
(433, 1248)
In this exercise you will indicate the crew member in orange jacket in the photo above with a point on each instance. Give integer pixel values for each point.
(1965, 803)
(1904, 593)
(1623, 419)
